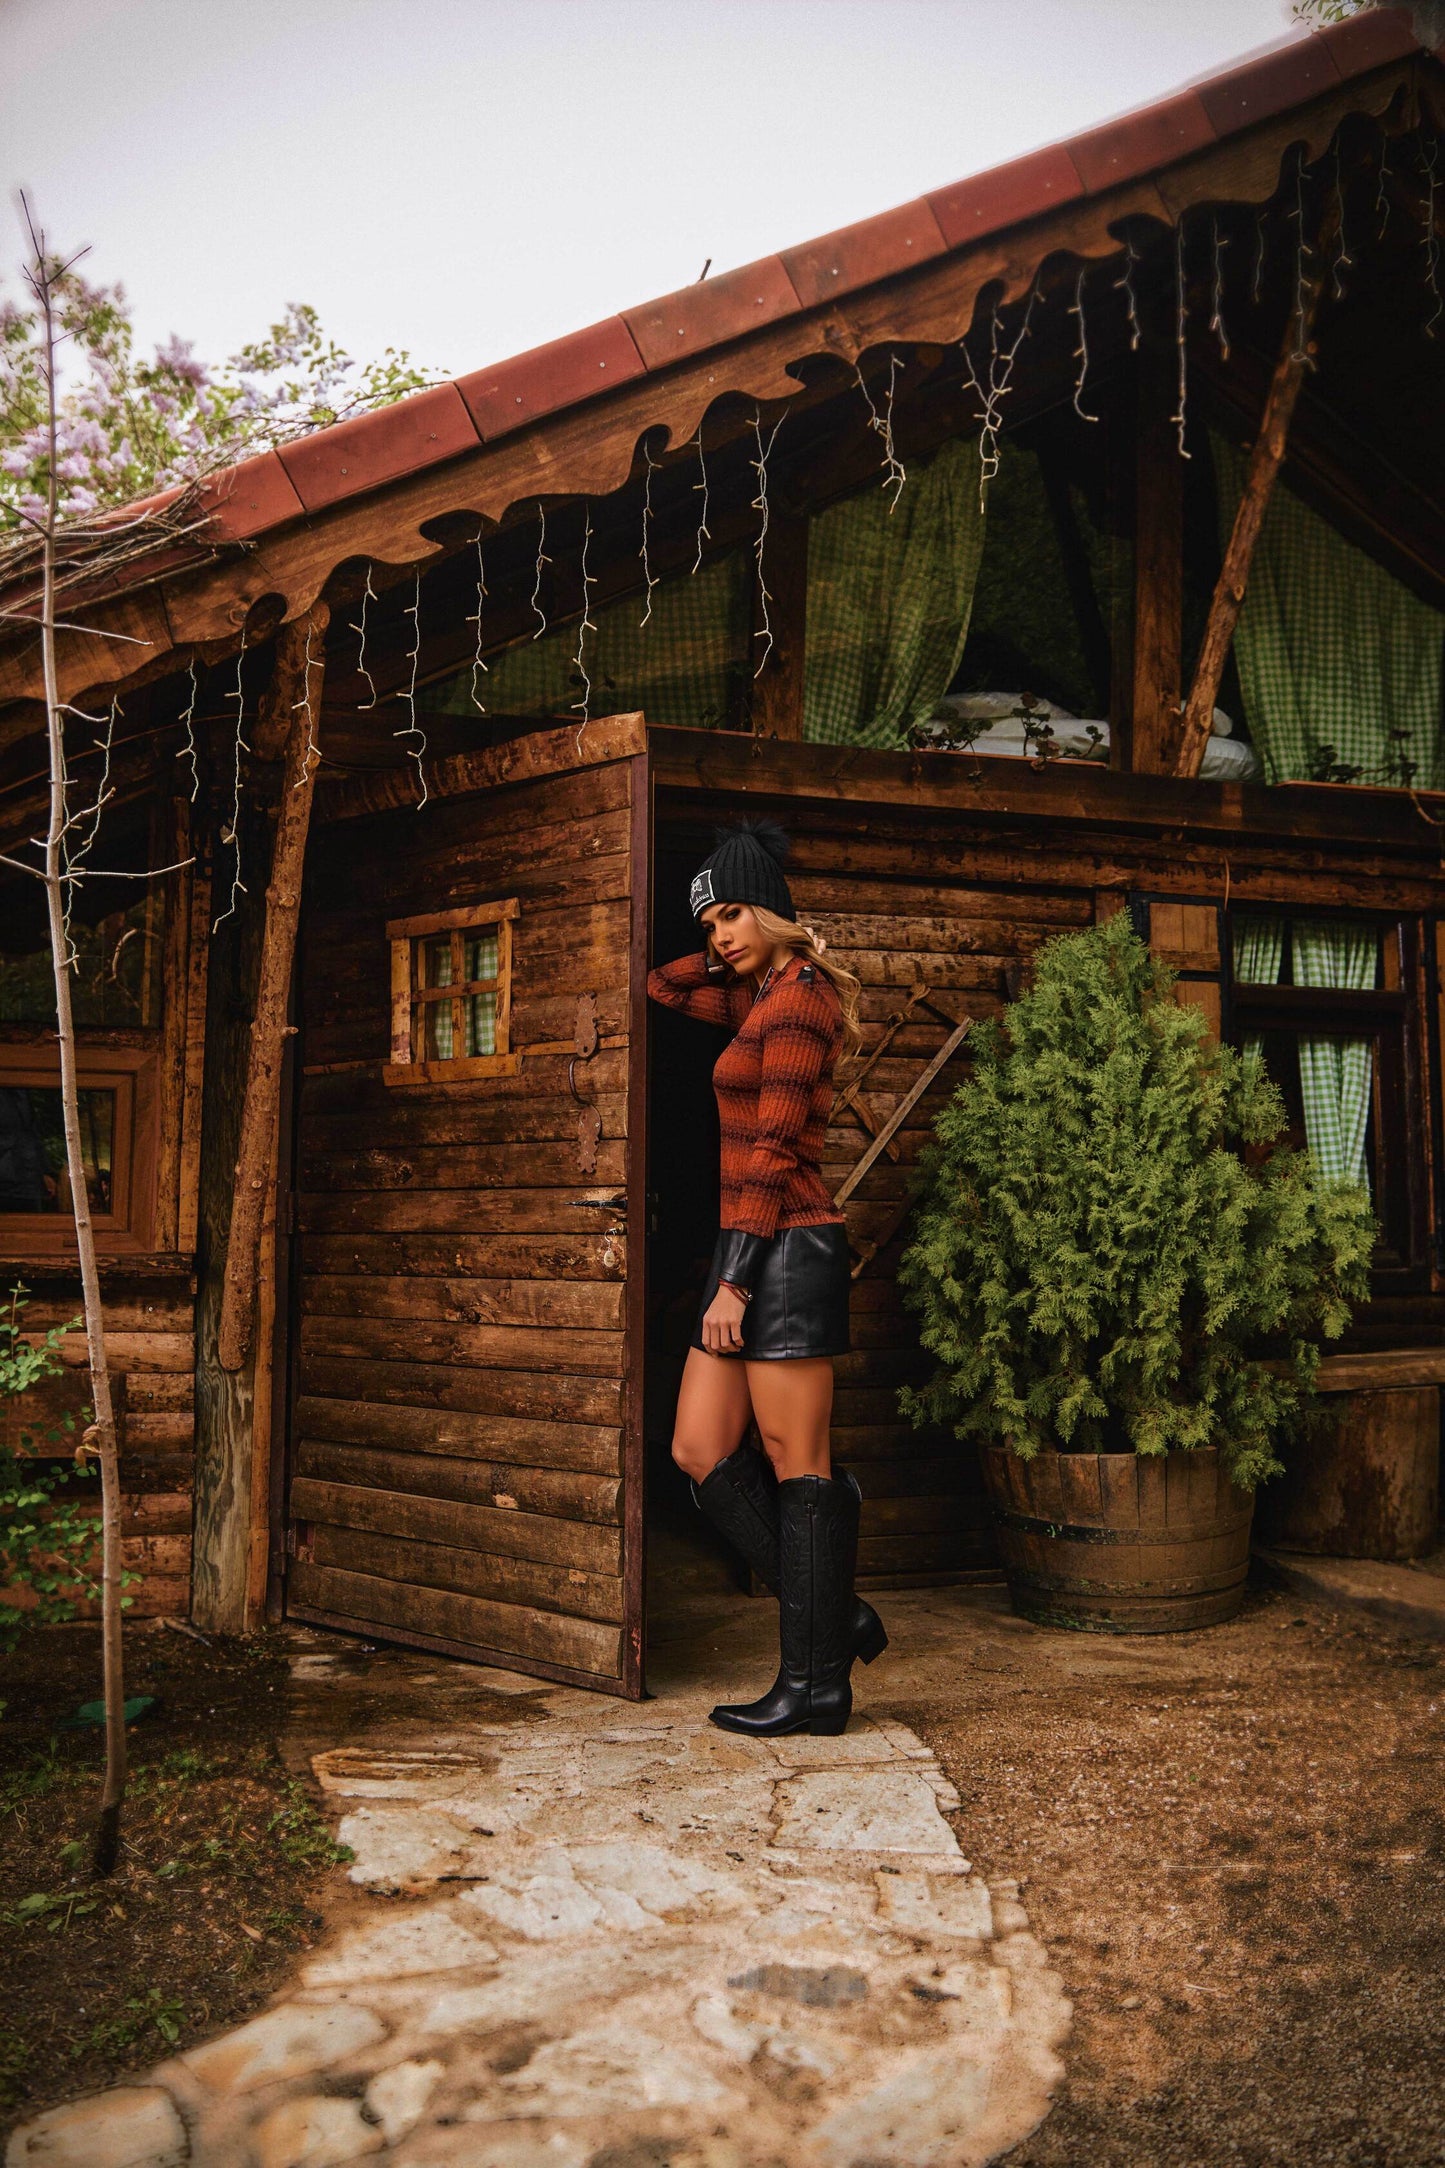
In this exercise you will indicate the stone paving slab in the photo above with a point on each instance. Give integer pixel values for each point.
(584, 1931)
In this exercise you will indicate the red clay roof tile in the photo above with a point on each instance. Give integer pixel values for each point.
(379, 447)
(1021, 189)
(561, 374)
(856, 255)
(1268, 85)
(246, 499)
(1138, 143)
(447, 420)
(1370, 41)
(711, 312)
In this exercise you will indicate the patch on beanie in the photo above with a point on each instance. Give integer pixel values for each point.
(700, 894)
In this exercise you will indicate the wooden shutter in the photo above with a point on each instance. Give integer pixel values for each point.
(466, 1423)
(1186, 936)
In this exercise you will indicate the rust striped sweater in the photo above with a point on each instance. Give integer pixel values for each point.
(774, 1085)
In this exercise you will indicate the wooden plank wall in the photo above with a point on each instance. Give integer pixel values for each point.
(962, 941)
(149, 1301)
(457, 1432)
(150, 1345)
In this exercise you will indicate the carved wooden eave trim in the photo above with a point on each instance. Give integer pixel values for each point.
(589, 450)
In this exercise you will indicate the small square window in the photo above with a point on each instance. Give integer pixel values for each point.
(451, 995)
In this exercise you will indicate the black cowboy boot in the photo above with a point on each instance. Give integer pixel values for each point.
(740, 1497)
(818, 1544)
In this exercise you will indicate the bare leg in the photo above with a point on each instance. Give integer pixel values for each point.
(713, 1410)
(792, 1401)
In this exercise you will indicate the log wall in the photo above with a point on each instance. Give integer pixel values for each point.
(947, 873)
(461, 1373)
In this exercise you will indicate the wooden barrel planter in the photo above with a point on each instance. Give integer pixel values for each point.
(1118, 1542)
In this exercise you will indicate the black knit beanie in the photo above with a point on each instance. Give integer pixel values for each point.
(746, 867)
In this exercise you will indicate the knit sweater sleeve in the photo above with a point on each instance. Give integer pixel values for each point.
(800, 1036)
(688, 986)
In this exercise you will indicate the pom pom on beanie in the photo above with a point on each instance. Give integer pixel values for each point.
(746, 866)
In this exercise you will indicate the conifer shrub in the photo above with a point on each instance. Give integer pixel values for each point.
(1107, 1254)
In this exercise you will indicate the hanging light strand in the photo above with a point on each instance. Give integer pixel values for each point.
(760, 506)
(1081, 351)
(313, 751)
(585, 625)
(232, 832)
(704, 532)
(1382, 196)
(188, 718)
(1219, 242)
(647, 573)
(1343, 259)
(412, 730)
(368, 595)
(1181, 337)
(1000, 371)
(542, 559)
(895, 474)
(1261, 245)
(1301, 251)
(1125, 284)
(479, 661)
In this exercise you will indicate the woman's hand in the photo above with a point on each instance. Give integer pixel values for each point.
(722, 1325)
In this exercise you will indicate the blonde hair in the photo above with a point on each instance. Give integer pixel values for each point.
(803, 941)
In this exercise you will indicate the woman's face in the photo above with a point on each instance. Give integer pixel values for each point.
(736, 935)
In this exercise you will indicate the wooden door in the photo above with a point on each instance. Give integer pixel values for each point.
(465, 1442)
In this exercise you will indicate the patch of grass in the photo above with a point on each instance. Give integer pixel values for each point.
(222, 1852)
(304, 1839)
(131, 2026)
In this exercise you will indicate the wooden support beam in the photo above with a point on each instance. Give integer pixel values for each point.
(777, 690)
(295, 698)
(1158, 564)
(1264, 465)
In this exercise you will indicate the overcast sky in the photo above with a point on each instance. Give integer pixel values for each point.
(469, 177)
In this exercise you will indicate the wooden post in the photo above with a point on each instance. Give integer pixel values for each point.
(1158, 565)
(777, 691)
(1264, 465)
(293, 704)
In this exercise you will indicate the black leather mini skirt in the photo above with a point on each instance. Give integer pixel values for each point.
(800, 1296)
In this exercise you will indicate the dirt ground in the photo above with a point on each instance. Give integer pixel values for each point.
(223, 1859)
(1233, 1845)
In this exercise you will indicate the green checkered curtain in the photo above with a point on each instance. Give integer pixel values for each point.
(1336, 1073)
(1340, 665)
(1258, 950)
(1258, 954)
(682, 667)
(890, 589)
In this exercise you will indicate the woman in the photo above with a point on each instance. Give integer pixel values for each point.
(775, 1309)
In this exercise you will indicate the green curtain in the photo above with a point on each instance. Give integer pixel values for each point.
(1340, 665)
(1258, 954)
(1258, 950)
(890, 589)
(682, 667)
(1336, 1073)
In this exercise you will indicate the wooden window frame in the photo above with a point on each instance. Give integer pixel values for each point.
(1388, 1016)
(132, 1073)
(409, 999)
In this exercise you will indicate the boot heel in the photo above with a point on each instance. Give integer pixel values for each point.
(873, 1643)
(830, 1724)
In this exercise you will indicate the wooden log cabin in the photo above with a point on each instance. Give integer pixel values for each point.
(930, 539)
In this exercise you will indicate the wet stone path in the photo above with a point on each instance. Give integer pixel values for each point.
(587, 1934)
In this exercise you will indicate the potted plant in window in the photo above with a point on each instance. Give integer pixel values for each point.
(1124, 1303)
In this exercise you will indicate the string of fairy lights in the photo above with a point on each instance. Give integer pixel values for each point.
(987, 353)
